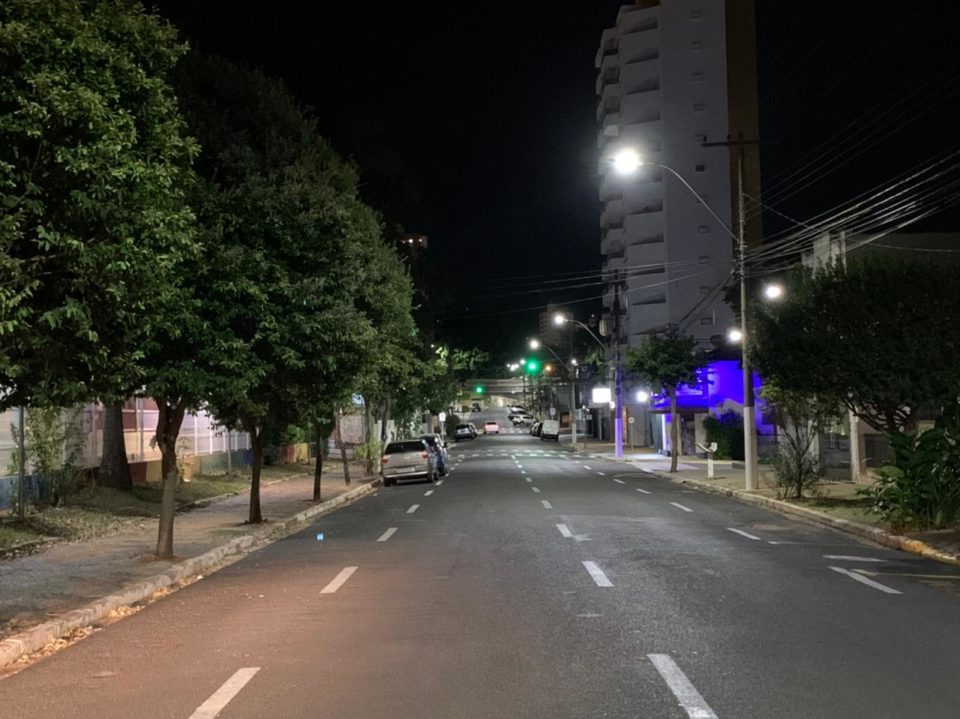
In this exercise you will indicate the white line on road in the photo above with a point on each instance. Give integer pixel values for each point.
(586, 466)
(643, 491)
(428, 493)
(523, 471)
(413, 508)
(687, 694)
(604, 474)
(564, 530)
(742, 533)
(536, 489)
(848, 558)
(386, 535)
(598, 576)
(220, 698)
(863, 580)
(619, 481)
(529, 479)
(338, 580)
(546, 504)
(680, 506)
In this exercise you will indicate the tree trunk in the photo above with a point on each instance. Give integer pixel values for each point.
(674, 429)
(114, 468)
(318, 467)
(386, 419)
(168, 429)
(343, 453)
(256, 438)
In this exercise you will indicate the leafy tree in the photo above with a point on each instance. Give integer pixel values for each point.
(880, 334)
(668, 360)
(291, 236)
(92, 163)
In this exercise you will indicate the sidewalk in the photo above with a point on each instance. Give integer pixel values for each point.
(836, 504)
(41, 587)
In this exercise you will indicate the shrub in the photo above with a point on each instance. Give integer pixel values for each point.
(921, 489)
(727, 431)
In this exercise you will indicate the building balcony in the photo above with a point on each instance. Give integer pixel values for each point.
(645, 252)
(636, 42)
(641, 107)
(640, 76)
(613, 214)
(613, 245)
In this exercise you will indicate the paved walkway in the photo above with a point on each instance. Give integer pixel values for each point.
(66, 576)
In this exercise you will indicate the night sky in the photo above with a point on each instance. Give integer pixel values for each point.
(475, 122)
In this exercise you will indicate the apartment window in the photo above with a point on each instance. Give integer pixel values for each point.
(697, 46)
(697, 76)
(702, 230)
(704, 259)
(700, 168)
(698, 107)
(696, 14)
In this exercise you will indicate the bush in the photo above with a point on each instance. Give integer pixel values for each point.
(451, 424)
(727, 431)
(271, 455)
(369, 453)
(921, 489)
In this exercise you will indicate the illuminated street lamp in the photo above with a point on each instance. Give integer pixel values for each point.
(773, 292)
(626, 162)
(643, 396)
(534, 344)
(735, 335)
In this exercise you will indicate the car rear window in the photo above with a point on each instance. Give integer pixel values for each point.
(432, 441)
(414, 445)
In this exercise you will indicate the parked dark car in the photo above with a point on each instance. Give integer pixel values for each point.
(463, 431)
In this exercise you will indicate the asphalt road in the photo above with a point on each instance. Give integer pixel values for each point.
(531, 582)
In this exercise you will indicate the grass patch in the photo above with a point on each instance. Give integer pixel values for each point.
(13, 534)
(854, 509)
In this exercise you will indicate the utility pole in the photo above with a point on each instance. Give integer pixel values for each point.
(749, 402)
(617, 373)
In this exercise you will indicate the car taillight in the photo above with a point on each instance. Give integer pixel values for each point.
(425, 455)
(384, 460)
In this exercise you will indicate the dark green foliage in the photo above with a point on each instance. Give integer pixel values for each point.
(921, 489)
(93, 161)
(882, 335)
(727, 431)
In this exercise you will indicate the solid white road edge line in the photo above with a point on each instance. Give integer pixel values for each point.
(848, 558)
(687, 694)
(680, 506)
(386, 535)
(743, 534)
(338, 580)
(546, 504)
(863, 580)
(220, 698)
(643, 491)
(564, 530)
(413, 508)
(598, 576)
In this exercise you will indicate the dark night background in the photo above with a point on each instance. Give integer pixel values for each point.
(475, 122)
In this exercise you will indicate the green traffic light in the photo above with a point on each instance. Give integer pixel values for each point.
(532, 366)
(478, 389)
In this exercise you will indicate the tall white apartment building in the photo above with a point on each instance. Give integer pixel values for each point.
(673, 74)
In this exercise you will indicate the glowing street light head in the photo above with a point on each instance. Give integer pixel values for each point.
(627, 161)
(559, 320)
(773, 292)
(735, 335)
(643, 396)
(534, 344)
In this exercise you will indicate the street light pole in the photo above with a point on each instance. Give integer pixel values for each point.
(628, 161)
(617, 375)
(561, 319)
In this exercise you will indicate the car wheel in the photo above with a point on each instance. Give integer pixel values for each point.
(388, 482)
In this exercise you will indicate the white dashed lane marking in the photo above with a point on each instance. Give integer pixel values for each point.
(413, 509)
(687, 694)
(339, 580)
(643, 491)
(742, 533)
(680, 506)
(863, 580)
(386, 535)
(220, 698)
(597, 574)
(536, 489)
(546, 504)
(619, 481)
(564, 530)
(428, 493)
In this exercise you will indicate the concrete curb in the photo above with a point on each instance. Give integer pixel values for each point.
(874, 534)
(36, 638)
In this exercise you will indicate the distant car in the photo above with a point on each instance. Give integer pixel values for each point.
(491, 428)
(463, 431)
(535, 428)
(515, 409)
(438, 445)
(522, 419)
(408, 459)
(475, 407)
